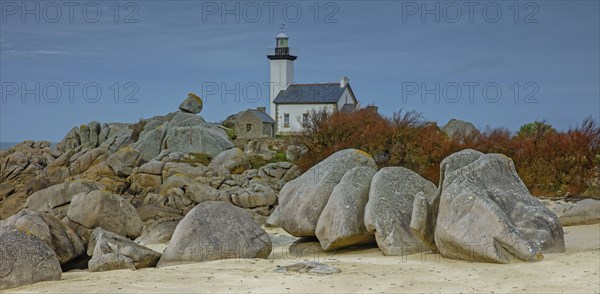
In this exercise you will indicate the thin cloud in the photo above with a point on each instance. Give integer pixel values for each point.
(34, 53)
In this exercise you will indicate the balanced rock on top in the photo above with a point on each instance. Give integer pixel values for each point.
(191, 104)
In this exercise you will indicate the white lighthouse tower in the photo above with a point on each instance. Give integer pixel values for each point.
(282, 69)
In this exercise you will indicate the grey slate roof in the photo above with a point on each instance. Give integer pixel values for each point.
(262, 116)
(310, 94)
(348, 107)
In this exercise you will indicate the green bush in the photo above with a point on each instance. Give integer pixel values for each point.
(231, 134)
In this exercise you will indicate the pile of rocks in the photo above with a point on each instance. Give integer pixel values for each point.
(105, 185)
(481, 210)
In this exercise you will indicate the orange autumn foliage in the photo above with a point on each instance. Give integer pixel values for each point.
(548, 162)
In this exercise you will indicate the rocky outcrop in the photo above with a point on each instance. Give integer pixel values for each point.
(25, 259)
(103, 209)
(21, 174)
(136, 178)
(86, 164)
(341, 223)
(180, 132)
(108, 154)
(191, 104)
(110, 251)
(485, 212)
(216, 230)
(63, 241)
(176, 187)
(112, 135)
(302, 200)
(389, 209)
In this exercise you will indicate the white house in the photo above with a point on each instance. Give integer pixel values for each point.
(291, 103)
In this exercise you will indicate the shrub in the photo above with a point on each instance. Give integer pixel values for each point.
(326, 133)
(536, 130)
(278, 157)
(549, 162)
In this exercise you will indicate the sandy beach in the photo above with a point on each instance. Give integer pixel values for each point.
(364, 270)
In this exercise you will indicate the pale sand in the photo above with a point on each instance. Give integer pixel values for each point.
(364, 270)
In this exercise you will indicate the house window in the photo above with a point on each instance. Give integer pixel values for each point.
(248, 128)
(305, 119)
(286, 120)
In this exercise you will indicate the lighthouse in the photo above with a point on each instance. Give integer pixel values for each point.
(281, 69)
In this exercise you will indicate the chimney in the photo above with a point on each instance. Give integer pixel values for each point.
(263, 109)
(344, 81)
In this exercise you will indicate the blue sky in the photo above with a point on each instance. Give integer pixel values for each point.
(393, 52)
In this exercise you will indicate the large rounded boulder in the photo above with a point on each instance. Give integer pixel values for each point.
(65, 243)
(302, 200)
(25, 259)
(216, 230)
(389, 209)
(485, 212)
(342, 221)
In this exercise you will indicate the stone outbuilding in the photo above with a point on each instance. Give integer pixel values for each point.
(255, 123)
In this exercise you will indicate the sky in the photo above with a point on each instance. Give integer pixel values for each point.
(494, 63)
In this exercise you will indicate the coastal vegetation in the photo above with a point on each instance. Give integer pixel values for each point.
(550, 162)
